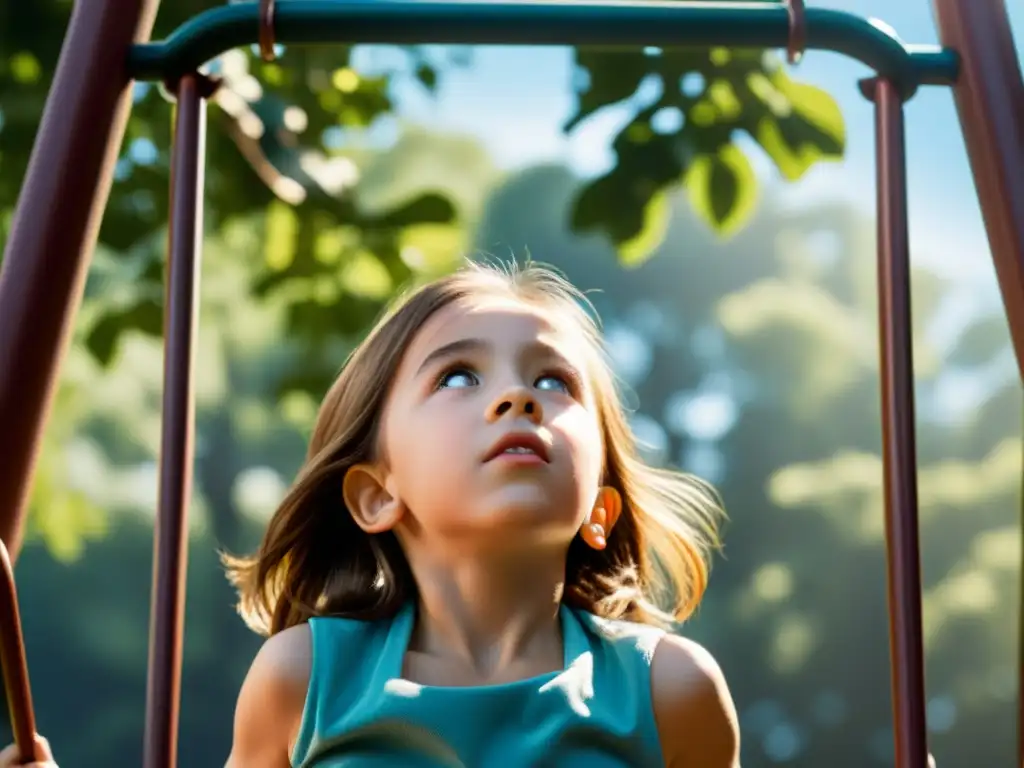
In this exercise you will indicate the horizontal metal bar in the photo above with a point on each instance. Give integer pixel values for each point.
(543, 22)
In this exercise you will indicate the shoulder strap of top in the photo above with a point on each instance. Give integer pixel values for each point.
(626, 650)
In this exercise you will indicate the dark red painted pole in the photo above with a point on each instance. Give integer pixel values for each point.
(15, 667)
(898, 443)
(166, 631)
(990, 100)
(54, 230)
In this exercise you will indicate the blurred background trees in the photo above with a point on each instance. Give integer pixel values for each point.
(744, 330)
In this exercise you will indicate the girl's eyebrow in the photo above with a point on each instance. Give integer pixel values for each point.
(471, 345)
(459, 347)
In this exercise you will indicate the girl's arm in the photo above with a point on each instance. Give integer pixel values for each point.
(696, 717)
(270, 704)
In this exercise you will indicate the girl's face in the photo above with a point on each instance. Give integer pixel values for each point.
(491, 433)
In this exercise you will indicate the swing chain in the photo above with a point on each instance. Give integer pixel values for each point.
(797, 30)
(267, 35)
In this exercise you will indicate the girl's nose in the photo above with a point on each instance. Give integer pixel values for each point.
(517, 403)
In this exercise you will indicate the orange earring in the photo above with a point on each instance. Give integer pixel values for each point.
(602, 518)
(594, 535)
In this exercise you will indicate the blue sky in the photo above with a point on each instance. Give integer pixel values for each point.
(514, 100)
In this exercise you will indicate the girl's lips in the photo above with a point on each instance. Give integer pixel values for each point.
(519, 459)
(532, 446)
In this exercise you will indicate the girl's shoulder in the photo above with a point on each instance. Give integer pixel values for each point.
(270, 705)
(693, 707)
(284, 662)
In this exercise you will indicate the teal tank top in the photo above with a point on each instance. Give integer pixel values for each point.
(595, 713)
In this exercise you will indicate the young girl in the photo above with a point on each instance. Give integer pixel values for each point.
(474, 567)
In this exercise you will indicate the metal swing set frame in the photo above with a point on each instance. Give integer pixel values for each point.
(69, 177)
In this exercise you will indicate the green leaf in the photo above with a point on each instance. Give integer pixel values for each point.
(330, 244)
(427, 76)
(67, 522)
(429, 208)
(613, 77)
(656, 218)
(102, 339)
(723, 189)
(745, 92)
(792, 162)
(366, 277)
(801, 126)
(62, 515)
(146, 316)
(591, 206)
(281, 232)
(615, 203)
(432, 248)
(25, 68)
(723, 97)
(812, 104)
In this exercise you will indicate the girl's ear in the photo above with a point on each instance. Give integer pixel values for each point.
(602, 517)
(609, 502)
(368, 499)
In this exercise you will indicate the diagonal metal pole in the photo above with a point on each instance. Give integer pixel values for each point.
(989, 98)
(55, 227)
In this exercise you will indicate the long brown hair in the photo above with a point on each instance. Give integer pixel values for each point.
(315, 561)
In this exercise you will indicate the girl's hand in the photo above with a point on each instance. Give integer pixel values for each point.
(9, 756)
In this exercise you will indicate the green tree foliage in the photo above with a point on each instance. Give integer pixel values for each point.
(280, 141)
(686, 135)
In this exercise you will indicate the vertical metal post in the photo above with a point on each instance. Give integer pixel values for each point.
(166, 632)
(54, 230)
(898, 443)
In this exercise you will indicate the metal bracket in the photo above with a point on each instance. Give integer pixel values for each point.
(797, 31)
(267, 34)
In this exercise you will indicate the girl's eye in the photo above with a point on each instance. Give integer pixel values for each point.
(457, 378)
(553, 382)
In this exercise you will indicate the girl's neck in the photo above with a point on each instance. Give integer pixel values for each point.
(489, 615)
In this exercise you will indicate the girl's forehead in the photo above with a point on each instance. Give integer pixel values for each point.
(497, 317)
